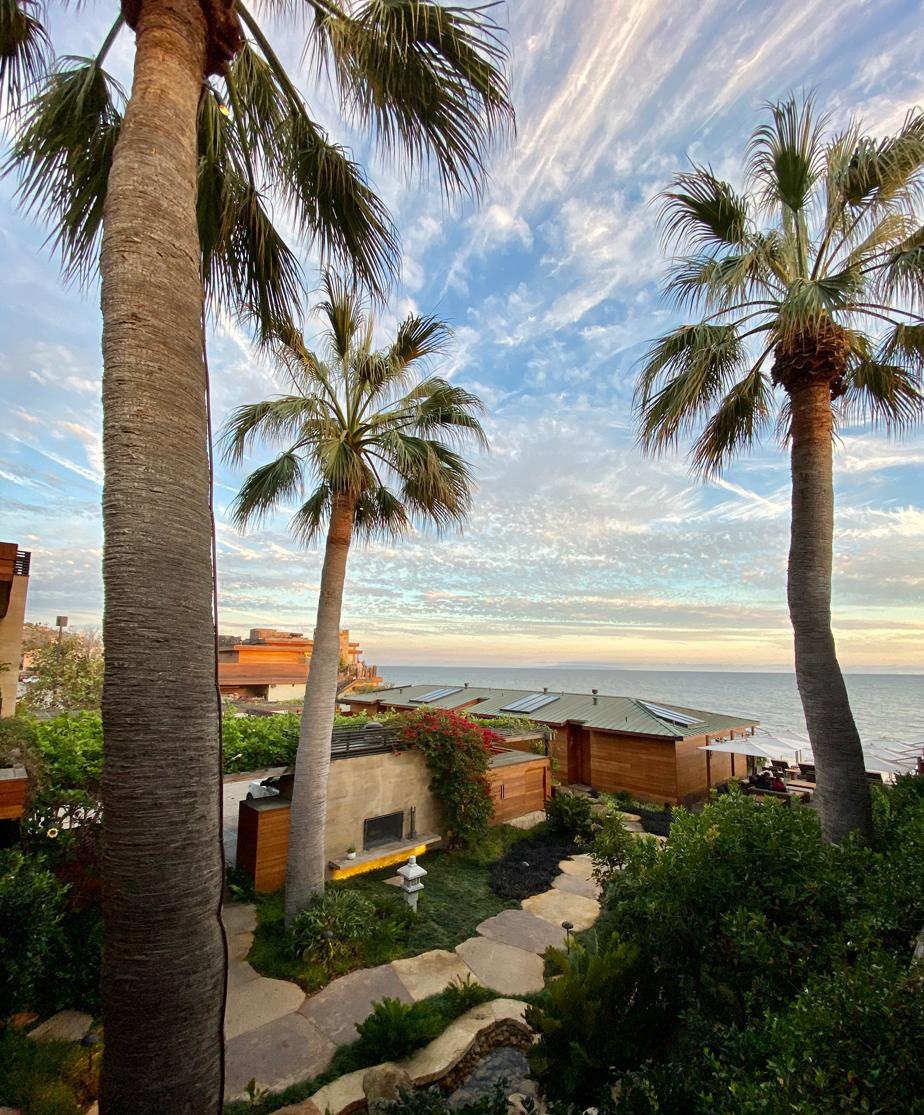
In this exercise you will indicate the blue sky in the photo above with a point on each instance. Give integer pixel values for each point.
(579, 550)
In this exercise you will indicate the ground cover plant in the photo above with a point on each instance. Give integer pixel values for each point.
(778, 965)
(46, 1078)
(457, 896)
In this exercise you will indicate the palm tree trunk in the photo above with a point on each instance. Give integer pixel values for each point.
(842, 788)
(164, 955)
(306, 864)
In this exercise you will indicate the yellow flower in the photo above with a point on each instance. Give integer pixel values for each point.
(52, 833)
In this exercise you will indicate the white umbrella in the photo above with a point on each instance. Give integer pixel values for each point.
(757, 747)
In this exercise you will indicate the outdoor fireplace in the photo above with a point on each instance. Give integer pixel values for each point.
(382, 830)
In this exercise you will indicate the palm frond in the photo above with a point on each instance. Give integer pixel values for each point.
(902, 274)
(736, 423)
(337, 211)
(273, 419)
(428, 78)
(267, 487)
(881, 172)
(25, 51)
(343, 308)
(884, 394)
(380, 514)
(701, 211)
(683, 373)
(786, 157)
(308, 521)
(63, 155)
(418, 338)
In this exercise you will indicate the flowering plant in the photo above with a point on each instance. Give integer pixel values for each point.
(457, 754)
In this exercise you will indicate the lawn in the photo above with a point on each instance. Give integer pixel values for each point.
(457, 897)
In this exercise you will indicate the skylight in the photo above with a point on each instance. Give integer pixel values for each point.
(435, 695)
(670, 715)
(531, 703)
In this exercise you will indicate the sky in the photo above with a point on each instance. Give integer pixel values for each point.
(579, 549)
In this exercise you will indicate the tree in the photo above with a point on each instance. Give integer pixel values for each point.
(820, 303)
(373, 442)
(71, 678)
(169, 187)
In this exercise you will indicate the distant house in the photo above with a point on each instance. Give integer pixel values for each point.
(14, 583)
(273, 665)
(608, 743)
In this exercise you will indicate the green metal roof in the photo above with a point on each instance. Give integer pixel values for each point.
(611, 714)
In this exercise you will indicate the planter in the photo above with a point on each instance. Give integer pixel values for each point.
(351, 855)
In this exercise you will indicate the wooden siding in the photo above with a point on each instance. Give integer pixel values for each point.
(642, 765)
(691, 769)
(519, 789)
(263, 841)
(12, 798)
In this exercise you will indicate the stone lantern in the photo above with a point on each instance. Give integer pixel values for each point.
(411, 886)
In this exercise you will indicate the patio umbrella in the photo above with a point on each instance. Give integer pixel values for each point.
(755, 747)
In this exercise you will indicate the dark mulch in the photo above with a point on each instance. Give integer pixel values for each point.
(656, 822)
(510, 879)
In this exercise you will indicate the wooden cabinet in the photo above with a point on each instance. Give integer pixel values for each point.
(263, 841)
(13, 786)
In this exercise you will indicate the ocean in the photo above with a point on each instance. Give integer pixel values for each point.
(889, 705)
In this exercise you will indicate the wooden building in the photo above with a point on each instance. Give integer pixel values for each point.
(273, 665)
(651, 749)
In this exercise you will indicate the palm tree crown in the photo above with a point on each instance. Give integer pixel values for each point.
(426, 79)
(363, 427)
(828, 287)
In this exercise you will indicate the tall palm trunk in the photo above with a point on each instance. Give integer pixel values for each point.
(306, 864)
(163, 957)
(842, 788)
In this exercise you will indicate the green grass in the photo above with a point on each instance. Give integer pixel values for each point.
(45, 1078)
(457, 897)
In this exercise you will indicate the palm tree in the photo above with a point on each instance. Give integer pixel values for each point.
(170, 186)
(819, 302)
(373, 443)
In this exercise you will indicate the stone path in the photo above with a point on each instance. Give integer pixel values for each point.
(278, 1036)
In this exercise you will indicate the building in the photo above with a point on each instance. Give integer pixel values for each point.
(273, 665)
(608, 743)
(14, 583)
(380, 802)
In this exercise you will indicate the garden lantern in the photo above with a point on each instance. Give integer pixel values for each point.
(411, 886)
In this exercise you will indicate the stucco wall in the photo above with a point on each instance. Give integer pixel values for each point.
(11, 644)
(372, 785)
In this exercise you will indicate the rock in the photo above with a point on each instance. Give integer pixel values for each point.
(573, 884)
(66, 1025)
(21, 1021)
(504, 968)
(258, 1001)
(239, 917)
(282, 1052)
(523, 930)
(557, 906)
(631, 817)
(306, 1107)
(431, 972)
(633, 826)
(344, 1095)
(382, 1085)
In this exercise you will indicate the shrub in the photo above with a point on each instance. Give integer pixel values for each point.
(395, 1029)
(31, 909)
(611, 849)
(462, 995)
(257, 742)
(345, 913)
(457, 754)
(430, 1101)
(570, 814)
(603, 1013)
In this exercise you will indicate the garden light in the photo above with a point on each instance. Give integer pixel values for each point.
(411, 886)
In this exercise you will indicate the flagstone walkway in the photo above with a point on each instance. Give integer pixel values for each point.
(279, 1036)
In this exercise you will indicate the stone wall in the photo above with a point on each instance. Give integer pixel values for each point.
(366, 786)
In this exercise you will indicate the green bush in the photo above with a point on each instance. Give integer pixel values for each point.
(430, 1101)
(348, 915)
(611, 849)
(462, 995)
(65, 811)
(395, 1029)
(31, 909)
(570, 814)
(603, 1013)
(256, 742)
